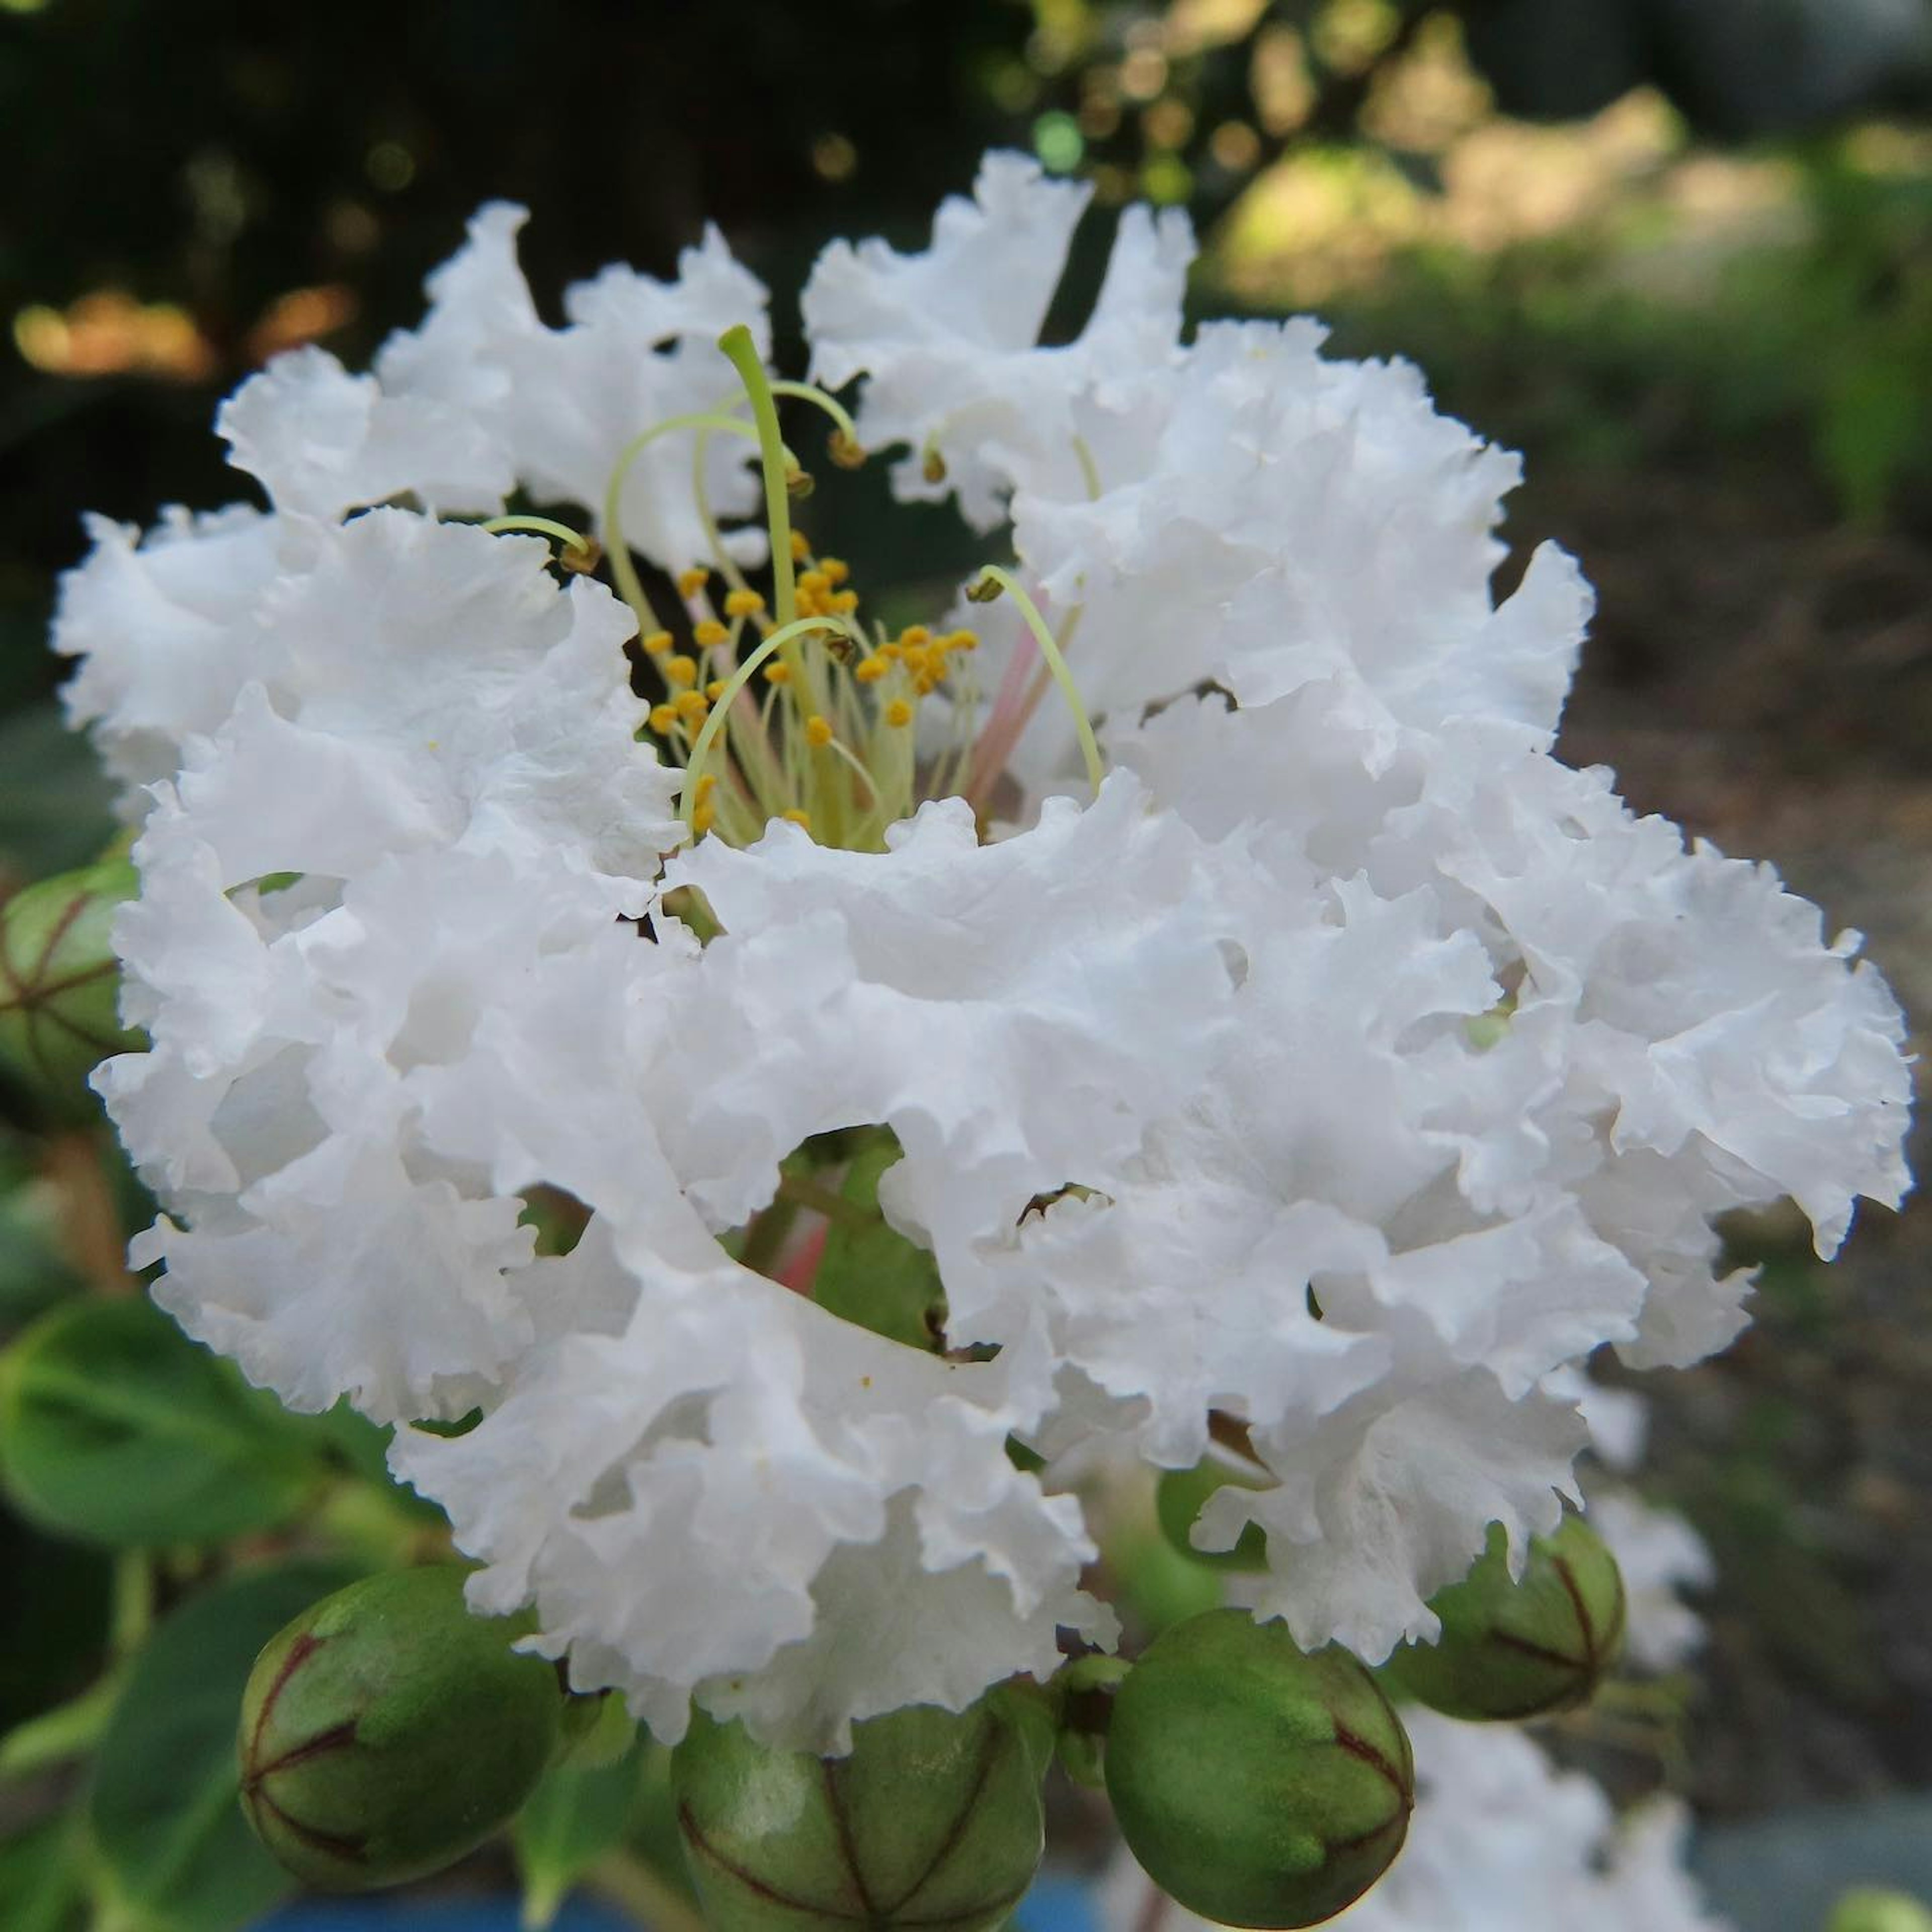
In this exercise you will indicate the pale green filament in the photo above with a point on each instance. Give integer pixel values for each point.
(544, 526)
(693, 769)
(622, 568)
(809, 392)
(1050, 652)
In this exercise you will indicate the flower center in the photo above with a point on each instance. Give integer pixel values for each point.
(791, 706)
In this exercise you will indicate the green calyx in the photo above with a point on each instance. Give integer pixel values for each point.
(1517, 1648)
(60, 983)
(933, 1819)
(387, 1731)
(1257, 1784)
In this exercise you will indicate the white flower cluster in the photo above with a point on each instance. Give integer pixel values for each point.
(1500, 1840)
(1344, 1064)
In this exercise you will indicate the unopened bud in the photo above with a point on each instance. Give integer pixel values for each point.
(60, 982)
(1513, 1649)
(387, 1731)
(934, 1819)
(1256, 1784)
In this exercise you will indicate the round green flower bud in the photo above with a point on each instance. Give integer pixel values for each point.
(1512, 1649)
(934, 1819)
(1255, 1784)
(60, 982)
(1869, 1908)
(1178, 1500)
(386, 1731)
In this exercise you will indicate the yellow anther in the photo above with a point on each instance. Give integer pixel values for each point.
(743, 603)
(680, 672)
(870, 671)
(797, 816)
(691, 581)
(714, 690)
(892, 652)
(706, 785)
(800, 549)
(963, 641)
(925, 682)
(817, 732)
(898, 712)
(707, 633)
(777, 674)
(658, 643)
(702, 818)
(664, 719)
(845, 451)
(814, 581)
(914, 634)
(835, 571)
(843, 603)
(691, 706)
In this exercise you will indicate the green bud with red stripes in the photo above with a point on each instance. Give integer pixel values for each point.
(387, 1731)
(933, 1818)
(1256, 1783)
(60, 984)
(1519, 1647)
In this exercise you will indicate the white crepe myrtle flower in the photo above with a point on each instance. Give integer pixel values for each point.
(1500, 1840)
(1193, 987)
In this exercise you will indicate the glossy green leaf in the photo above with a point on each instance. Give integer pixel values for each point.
(581, 1811)
(43, 1878)
(869, 1273)
(165, 1817)
(115, 1428)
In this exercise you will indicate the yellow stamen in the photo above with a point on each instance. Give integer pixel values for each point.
(835, 571)
(870, 671)
(714, 690)
(691, 704)
(702, 818)
(680, 672)
(664, 719)
(691, 581)
(707, 633)
(777, 674)
(817, 732)
(797, 816)
(898, 712)
(742, 603)
(658, 643)
(800, 549)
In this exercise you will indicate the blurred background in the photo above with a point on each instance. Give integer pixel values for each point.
(1679, 252)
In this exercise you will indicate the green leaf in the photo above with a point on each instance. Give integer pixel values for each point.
(116, 1429)
(34, 1273)
(55, 808)
(869, 1273)
(54, 1631)
(165, 1812)
(580, 1811)
(43, 1878)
